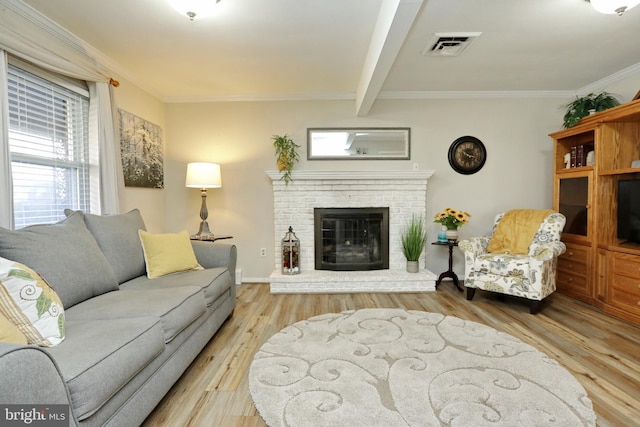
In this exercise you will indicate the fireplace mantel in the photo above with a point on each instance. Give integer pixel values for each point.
(403, 192)
(352, 175)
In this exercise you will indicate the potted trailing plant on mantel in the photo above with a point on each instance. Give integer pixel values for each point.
(584, 105)
(414, 237)
(286, 155)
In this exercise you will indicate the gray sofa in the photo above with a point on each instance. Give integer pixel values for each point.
(128, 338)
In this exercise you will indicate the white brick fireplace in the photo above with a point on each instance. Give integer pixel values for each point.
(403, 192)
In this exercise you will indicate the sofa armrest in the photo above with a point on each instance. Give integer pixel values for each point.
(211, 255)
(31, 376)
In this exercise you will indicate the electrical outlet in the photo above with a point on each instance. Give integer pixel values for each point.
(263, 252)
(416, 167)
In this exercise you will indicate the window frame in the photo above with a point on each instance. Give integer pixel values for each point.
(83, 172)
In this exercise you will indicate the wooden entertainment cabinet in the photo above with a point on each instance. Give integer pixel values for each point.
(598, 267)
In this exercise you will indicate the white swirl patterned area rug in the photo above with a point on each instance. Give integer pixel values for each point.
(392, 367)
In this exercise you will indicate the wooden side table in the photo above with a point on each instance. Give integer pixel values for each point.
(449, 273)
(211, 238)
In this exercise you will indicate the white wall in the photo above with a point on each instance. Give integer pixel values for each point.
(238, 136)
(151, 202)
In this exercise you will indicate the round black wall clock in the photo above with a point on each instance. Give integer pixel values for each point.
(467, 155)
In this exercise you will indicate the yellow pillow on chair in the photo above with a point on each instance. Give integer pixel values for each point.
(167, 253)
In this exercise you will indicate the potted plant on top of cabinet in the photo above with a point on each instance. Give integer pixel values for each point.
(584, 105)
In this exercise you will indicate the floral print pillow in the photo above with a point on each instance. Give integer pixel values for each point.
(28, 301)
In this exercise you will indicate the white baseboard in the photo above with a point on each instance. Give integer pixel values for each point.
(256, 280)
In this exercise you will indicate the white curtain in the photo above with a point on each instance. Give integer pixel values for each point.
(111, 177)
(27, 35)
(6, 200)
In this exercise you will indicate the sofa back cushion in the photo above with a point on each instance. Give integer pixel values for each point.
(65, 254)
(117, 236)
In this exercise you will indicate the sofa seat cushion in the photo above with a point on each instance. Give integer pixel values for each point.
(503, 264)
(213, 281)
(176, 307)
(98, 357)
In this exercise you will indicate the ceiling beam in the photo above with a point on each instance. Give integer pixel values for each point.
(394, 22)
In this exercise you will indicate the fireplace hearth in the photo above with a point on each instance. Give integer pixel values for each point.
(351, 239)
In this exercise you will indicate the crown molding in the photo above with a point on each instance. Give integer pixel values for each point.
(263, 97)
(389, 95)
(613, 78)
(41, 21)
(477, 94)
(69, 39)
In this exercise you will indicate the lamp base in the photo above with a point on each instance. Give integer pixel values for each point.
(203, 231)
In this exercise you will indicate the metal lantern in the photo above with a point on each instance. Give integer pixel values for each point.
(290, 253)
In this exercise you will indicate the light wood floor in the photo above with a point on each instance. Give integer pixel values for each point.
(602, 352)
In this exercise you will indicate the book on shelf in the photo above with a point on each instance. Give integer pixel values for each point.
(579, 154)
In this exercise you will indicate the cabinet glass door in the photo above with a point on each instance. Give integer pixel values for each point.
(574, 202)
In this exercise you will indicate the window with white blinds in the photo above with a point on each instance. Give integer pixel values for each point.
(49, 148)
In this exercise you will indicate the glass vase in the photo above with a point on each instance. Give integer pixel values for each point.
(442, 234)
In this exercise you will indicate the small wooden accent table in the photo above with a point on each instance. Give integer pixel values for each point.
(211, 238)
(449, 273)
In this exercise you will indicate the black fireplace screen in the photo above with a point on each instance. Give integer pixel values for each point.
(348, 239)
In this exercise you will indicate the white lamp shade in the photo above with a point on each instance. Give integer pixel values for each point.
(613, 6)
(203, 175)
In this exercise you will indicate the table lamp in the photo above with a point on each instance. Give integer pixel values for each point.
(203, 175)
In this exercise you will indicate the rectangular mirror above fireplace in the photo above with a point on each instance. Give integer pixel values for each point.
(358, 143)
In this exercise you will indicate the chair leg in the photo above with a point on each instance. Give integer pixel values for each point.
(534, 306)
(470, 293)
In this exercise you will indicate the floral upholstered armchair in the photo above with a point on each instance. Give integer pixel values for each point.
(530, 274)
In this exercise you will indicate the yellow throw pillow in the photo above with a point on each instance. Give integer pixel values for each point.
(28, 302)
(10, 332)
(167, 253)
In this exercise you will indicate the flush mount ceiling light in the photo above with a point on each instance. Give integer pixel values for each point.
(613, 6)
(194, 8)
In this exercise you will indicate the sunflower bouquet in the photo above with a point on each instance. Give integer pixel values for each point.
(451, 218)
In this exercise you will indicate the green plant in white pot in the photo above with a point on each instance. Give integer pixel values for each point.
(584, 105)
(286, 155)
(414, 238)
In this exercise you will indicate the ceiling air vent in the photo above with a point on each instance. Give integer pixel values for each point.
(449, 44)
